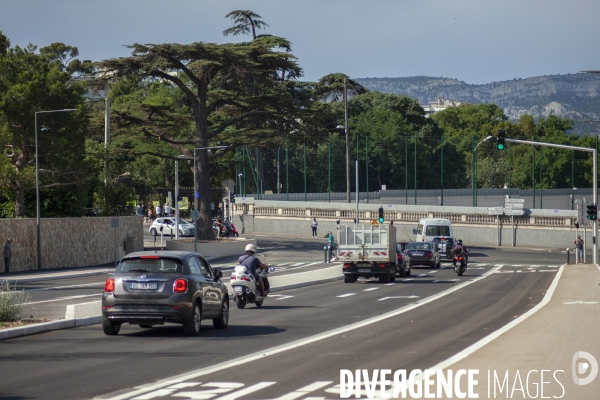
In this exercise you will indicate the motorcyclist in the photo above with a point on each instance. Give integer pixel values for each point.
(458, 247)
(254, 265)
(220, 225)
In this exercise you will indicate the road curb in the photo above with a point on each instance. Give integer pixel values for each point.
(48, 326)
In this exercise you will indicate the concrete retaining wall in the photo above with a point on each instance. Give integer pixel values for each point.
(474, 234)
(68, 242)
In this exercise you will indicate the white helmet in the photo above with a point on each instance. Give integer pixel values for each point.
(250, 247)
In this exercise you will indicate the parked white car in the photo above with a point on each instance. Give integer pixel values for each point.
(168, 227)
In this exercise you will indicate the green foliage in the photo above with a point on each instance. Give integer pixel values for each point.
(12, 302)
(112, 199)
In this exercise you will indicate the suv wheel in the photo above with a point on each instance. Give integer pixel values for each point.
(110, 328)
(191, 327)
(223, 320)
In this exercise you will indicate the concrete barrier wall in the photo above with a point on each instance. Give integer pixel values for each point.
(473, 234)
(68, 242)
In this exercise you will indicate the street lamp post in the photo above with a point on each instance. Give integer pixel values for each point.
(37, 184)
(473, 169)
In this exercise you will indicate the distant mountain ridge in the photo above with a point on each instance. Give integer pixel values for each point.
(574, 96)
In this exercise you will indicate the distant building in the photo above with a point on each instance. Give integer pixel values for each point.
(439, 105)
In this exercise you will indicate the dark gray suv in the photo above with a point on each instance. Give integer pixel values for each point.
(150, 288)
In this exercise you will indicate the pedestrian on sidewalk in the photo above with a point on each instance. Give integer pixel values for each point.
(167, 210)
(158, 211)
(7, 255)
(150, 215)
(314, 225)
(579, 244)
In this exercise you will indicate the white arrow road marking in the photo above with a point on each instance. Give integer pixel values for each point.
(369, 289)
(398, 297)
(346, 295)
(580, 302)
(304, 391)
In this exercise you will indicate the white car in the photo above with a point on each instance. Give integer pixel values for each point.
(168, 227)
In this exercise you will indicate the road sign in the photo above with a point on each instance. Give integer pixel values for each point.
(495, 211)
(197, 195)
(514, 211)
(514, 200)
(195, 215)
(114, 223)
(383, 187)
(514, 206)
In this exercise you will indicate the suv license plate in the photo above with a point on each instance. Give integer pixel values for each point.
(237, 288)
(143, 286)
(364, 270)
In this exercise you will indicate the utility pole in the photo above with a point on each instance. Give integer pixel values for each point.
(347, 143)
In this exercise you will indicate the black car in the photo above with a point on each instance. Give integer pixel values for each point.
(444, 244)
(150, 288)
(402, 269)
(421, 253)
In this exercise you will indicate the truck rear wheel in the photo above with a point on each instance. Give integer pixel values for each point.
(384, 278)
(392, 273)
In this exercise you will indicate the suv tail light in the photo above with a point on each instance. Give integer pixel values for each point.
(180, 286)
(381, 265)
(109, 286)
(399, 256)
(428, 254)
(232, 277)
(347, 265)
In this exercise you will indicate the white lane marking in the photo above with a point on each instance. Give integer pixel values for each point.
(285, 263)
(580, 302)
(499, 265)
(486, 340)
(305, 390)
(261, 355)
(398, 297)
(535, 266)
(184, 385)
(246, 391)
(63, 298)
(432, 272)
(390, 284)
(546, 270)
(519, 270)
(369, 289)
(422, 275)
(406, 280)
(505, 272)
(82, 285)
(346, 295)
(446, 280)
(296, 265)
(516, 265)
(553, 266)
(308, 265)
(280, 296)
(212, 389)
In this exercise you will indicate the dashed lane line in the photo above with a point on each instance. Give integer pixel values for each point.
(346, 295)
(261, 355)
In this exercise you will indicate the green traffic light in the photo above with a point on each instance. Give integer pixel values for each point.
(500, 146)
(381, 220)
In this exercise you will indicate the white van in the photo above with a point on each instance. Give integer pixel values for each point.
(430, 228)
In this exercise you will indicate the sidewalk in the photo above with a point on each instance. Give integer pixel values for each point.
(547, 340)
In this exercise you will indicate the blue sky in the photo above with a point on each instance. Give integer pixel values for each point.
(476, 41)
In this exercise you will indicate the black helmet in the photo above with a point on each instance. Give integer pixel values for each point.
(459, 241)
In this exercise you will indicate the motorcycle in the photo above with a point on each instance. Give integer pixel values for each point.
(234, 231)
(459, 261)
(224, 231)
(245, 287)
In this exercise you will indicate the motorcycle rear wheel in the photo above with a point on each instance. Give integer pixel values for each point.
(240, 303)
(259, 303)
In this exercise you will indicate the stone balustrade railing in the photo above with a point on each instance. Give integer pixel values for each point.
(459, 218)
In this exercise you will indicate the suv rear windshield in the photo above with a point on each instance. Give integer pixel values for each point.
(154, 265)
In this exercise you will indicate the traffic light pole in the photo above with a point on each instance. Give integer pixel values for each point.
(595, 178)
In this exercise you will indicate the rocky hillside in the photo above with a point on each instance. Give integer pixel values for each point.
(574, 96)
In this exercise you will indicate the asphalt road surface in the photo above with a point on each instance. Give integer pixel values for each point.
(312, 332)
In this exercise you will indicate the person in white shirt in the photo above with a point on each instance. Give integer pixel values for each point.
(167, 210)
(158, 211)
(313, 225)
